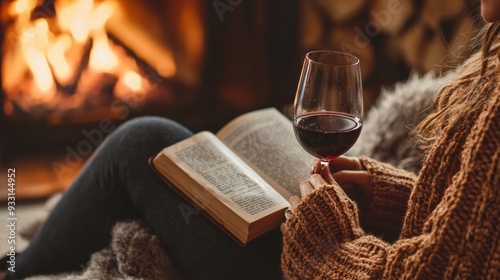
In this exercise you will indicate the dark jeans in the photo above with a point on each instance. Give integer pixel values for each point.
(117, 184)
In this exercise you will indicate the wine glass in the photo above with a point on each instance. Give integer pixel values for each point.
(328, 106)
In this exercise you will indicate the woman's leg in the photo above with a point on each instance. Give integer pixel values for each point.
(117, 183)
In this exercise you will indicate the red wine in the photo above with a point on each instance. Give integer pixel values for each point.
(327, 134)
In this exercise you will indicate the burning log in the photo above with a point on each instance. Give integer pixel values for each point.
(65, 64)
(142, 40)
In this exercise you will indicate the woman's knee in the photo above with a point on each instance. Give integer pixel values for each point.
(153, 123)
(145, 133)
(154, 126)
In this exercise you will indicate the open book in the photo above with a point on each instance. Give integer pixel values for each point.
(241, 177)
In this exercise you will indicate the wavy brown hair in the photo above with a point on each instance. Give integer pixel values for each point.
(476, 79)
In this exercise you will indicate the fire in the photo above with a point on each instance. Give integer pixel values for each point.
(102, 57)
(101, 14)
(52, 50)
(131, 86)
(19, 7)
(74, 17)
(33, 45)
(133, 81)
(58, 61)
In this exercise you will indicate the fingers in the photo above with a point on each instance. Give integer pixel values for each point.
(283, 227)
(345, 163)
(347, 171)
(351, 177)
(316, 167)
(359, 178)
(294, 201)
(338, 164)
(314, 182)
(305, 188)
(317, 181)
(327, 175)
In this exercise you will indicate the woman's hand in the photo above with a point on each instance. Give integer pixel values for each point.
(350, 175)
(339, 164)
(345, 171)
(306, 187)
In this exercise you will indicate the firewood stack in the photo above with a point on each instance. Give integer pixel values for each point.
(391, 37)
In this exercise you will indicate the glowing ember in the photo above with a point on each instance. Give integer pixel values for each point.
(133, 80)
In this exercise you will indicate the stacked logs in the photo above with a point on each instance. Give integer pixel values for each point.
(391, 37)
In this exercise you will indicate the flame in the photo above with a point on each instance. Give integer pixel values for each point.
(52, 51)
(44, 51)
(131, 86)
(101, 15)
(21, 7)
(57, 59)
(34, 40)
(102, 58)
(40, 70)
(133, 81)
(73, 17)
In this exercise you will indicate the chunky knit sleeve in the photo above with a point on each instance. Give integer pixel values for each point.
(391, 190)
(459, 239)
(325, 241)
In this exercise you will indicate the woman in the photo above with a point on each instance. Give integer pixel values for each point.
(441, 224)
(445, 222)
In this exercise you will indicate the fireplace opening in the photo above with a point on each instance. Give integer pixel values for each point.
(73, 70)
(69, 62)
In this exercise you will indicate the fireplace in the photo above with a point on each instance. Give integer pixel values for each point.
(71, 68)
(70, 63)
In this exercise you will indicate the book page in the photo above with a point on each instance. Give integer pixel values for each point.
(212, 164)
(266, 141)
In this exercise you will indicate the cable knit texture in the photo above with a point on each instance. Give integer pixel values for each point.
(391, 191)
(447, 225)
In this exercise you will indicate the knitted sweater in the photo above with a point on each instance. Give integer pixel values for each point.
(443, 227)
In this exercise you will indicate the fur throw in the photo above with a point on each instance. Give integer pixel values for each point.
(386, 130)
(135, 253)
